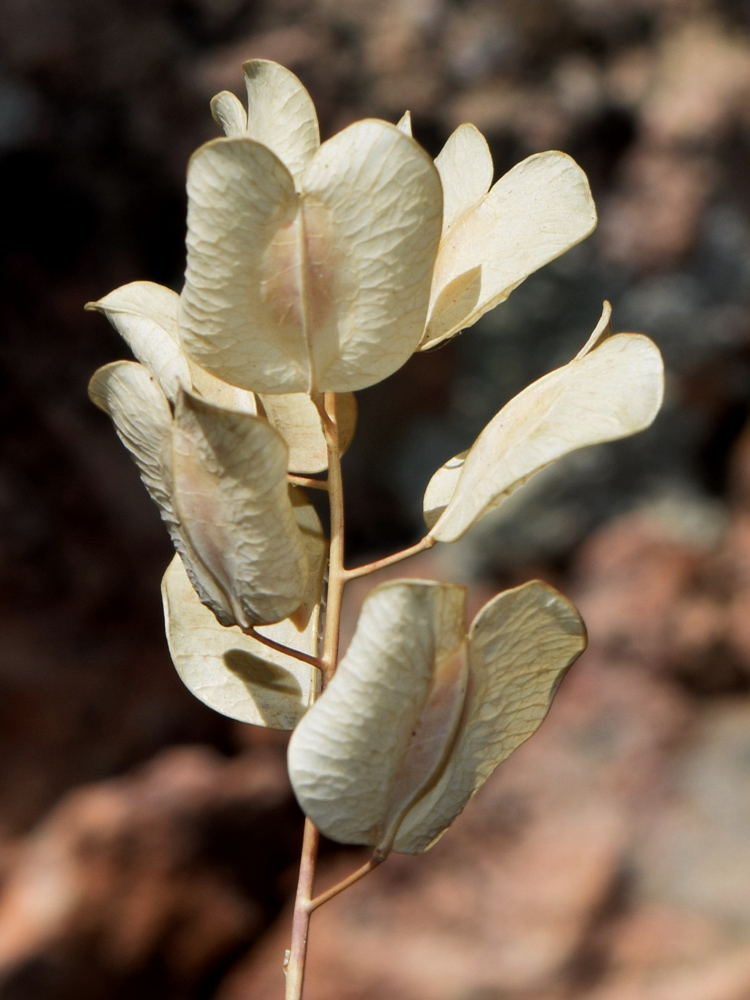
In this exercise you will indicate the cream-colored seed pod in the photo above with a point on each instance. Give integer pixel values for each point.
(231, 497)
(494, 238)
(419, 714)
(142, 417)
(218, 478)
(613, 388)
(234, 673)
(146, 315)
(319, 284)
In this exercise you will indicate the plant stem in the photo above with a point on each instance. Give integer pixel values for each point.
(314, 661)
(294, 961)
(371, 865)
(294, 964)
(336, 572)
(308, 482)
(426, 543)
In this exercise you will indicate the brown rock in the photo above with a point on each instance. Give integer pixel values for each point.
(687, 934)
(155, 878)
(677, 606)
(652, 221)
(724, 976)
(701, 85)
(633, 574)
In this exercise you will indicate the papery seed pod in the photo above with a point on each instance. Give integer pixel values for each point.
(234, 673)
(318, 285)
(419, 714)
(146, 315)
(613, 388)
(218, 478)
(280, 114)
(494, 238)
(231, 498)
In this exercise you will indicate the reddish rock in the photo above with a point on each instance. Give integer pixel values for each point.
(686, 935)
(679, 607)
(152, 880)
(653, 220)
(633, 574)
(697, 92)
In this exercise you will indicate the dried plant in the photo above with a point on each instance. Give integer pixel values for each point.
(313, 271)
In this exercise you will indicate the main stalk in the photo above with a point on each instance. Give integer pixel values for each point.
(294, 964)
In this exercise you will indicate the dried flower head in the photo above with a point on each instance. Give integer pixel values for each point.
(312, 271)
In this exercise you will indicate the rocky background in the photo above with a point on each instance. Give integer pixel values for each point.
(147, 846)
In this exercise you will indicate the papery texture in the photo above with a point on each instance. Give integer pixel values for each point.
(234, 673)
(326, 292)
(231, 672)
(231, 497)
(130, 395)
(378, 195)
(520, 646)
(240, 197)
(404, 123)
(465, 168)
(280, 114)
(213, 390)
(143, 420)
(418, 715)
(316, 549)
(381, 729)
(536, 212)
(611, 392)
(229, 112)
(145, 316)
(298, 421)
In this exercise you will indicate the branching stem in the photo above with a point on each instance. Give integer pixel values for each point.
(314, 661)
(369, 866)
(426, 543)
(308, 482)
(294, 964)
(294, 960)
(338, 577)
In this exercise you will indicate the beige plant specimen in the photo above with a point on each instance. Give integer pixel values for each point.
(314, 270)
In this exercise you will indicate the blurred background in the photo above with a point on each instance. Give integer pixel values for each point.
(148, 846)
